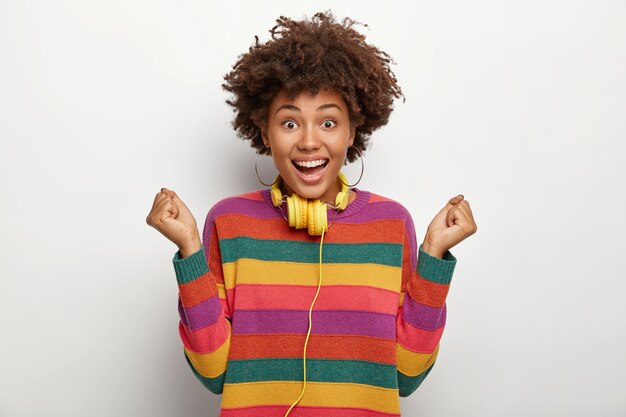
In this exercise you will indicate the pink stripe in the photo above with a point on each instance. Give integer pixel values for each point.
(225, 306)
(206, 340)
(302, 411)
(417, 340)
(335, 297)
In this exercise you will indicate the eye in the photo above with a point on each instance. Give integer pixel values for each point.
(329, 123)
(289, 124)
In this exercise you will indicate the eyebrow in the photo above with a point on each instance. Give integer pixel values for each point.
(296, 108)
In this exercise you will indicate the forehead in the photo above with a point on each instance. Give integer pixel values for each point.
(306, 100)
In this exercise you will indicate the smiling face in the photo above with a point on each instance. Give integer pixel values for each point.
(308, 138)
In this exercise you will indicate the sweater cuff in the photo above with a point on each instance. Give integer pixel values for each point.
(190, 268)
(435, 269)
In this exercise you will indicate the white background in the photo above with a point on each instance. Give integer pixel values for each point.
(519, 105)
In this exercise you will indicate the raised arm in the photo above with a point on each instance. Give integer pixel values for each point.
(422, 314)
(204, 314)
(425, 282)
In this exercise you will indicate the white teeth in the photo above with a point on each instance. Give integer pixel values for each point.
(310, 164)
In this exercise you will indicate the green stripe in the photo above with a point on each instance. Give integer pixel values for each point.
(435, 269)
(190, 268)
(318, 370)
(408, 384)
(215, 385)
(308, 252)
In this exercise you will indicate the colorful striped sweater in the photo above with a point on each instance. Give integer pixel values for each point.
(244, 301)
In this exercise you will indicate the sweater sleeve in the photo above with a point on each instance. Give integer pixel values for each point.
(422, 312)
(205, 319)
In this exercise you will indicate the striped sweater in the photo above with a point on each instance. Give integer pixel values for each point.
(244, 301)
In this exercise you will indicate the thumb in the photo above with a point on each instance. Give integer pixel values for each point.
(183, 212)
(172, 194)
(441, 218)
(455, 200)
(451, 203)
(179, 202)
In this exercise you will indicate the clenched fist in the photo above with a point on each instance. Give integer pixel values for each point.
(451, 225)
(170, 216)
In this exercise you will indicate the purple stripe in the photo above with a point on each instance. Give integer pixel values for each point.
(237, 205)
(423, 316)
(324, 322)
(200, 315)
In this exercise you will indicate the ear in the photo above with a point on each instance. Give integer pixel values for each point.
(266, 141)
(352, 134)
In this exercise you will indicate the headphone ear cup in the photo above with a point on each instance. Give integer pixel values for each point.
(297, 211)
(318, 221)
(275, 193)
(342, 200)
(277, 197)
(302, 213)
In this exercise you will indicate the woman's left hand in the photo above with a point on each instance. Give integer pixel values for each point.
(450, 226)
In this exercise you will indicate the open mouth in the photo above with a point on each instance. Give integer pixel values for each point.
(310, 168)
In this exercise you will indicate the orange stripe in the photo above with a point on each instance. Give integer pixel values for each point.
(427, 292)
(299, 297)
(384, 231)
(214, 257)
(196, 291)
(319, 346)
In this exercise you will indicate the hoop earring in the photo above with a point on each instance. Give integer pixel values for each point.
(362, 169)
(256, 170)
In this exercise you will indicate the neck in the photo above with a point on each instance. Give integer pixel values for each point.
(328, 197)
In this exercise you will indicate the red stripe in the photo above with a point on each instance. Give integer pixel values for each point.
(253, 195)
(320, 346)
(385, 231)
(375, 198)
(427, 292)
(196, 291)
(205, 340)
(418, 340)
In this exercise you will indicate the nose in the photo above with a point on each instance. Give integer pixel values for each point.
(309, 139)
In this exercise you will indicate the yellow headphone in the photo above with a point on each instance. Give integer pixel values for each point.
(311, 214)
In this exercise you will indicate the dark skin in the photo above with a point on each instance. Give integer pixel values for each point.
(170, 216)
(312, 55)
(305, 131)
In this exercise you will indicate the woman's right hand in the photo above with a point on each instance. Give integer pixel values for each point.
(170, 216)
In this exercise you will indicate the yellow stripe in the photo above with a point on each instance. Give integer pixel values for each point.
(316, 394)
(221, 291)
(413, 364)
(211, 364)
(401, 299)
(253, 271)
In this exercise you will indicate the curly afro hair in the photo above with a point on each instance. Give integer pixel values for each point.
(312, 55)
